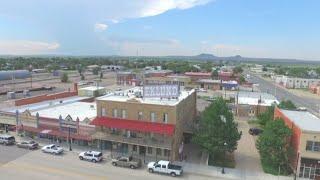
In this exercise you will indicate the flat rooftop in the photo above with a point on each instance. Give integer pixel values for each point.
(253, 98)
(303, 119)
(129, 94)
(63, 107)
(92, 88)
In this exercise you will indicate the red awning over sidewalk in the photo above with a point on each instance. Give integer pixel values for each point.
(134, 125)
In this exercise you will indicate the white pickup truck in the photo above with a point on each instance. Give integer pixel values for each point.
(165, 167)
(52, 148)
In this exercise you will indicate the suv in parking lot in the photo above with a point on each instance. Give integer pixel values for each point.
(93, 156)
(7, 139)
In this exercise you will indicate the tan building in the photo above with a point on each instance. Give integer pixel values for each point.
(92, 91)
(305, 140)
(147, 126)
(171, 79)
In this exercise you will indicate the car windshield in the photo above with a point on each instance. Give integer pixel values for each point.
(98, 155)
(10, 138)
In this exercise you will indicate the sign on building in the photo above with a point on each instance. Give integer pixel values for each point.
(68, 123)
(161, 90)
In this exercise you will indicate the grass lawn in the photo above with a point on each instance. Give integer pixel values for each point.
(218, 161)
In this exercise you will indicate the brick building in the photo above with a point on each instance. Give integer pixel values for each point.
(209, 84)
(305, 141)
(251, 104)
(145, 126)
(195, 76)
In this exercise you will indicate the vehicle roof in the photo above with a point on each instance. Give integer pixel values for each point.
(93, 152)
(6, 135)
(162, 162)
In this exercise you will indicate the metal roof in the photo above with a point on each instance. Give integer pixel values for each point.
(303, 119)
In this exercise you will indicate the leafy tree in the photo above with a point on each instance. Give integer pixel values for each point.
(287, 104)
(237, 70)
(274, 147)
(266, 116)
(213, 132)
(95, 71)
(242, 79)
(64, 77)
(215, 74)
(82, 77)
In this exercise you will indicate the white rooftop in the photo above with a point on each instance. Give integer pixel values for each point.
(127, 95)
(92, 88)
(253, 98)
(82, 110)
(304, 120)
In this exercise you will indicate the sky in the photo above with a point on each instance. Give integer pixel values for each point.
(250, 28)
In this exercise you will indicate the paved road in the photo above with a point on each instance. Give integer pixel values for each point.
(266, 86)
(37, 165)
(10, 153)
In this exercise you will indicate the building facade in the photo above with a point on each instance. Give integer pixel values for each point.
(144, 126)
(305, 140)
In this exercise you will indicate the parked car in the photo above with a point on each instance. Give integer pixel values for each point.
(126, 162)
(165, 167)
(28, 144)
(93, 156)
(7, 139)
(255, 131)
(52, 148)
(302, 109)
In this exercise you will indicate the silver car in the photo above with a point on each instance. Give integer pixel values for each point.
(28, 144)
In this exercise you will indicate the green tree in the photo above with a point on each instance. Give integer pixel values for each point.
(287, 104)
(242, 79)
(95, 71)
(214, 135)
(237, 70)
(274, 147)
(64, 77)
(267, 116)
(215, 74)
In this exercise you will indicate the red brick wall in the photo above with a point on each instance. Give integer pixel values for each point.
(44, 97)
(296, 134)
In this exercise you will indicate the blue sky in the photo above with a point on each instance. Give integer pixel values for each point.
(251, 28)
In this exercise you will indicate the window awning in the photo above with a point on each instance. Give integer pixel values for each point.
(134, 125)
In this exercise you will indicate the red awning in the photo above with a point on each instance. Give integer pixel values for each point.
(134, 125)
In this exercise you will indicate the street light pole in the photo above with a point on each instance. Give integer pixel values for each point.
(224, 120)
(70, 149)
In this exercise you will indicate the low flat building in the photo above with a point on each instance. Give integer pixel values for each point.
(92, 91)
(126, 78)
(170, 79)
(133, 123)
(209, 84)
(251, 104)
(294, 82)
(157, 73)
(305, 140)
(195, 76)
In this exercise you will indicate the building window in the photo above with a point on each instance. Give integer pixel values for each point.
(166, 152)
(313, 146)
(123, 114)
(103, 112)
(115, 113)
(134, 148)
(159, 153)
(165, 117)
(140, 115)
(149, 150)
(153, 117)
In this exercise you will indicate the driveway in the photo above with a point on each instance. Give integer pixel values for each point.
(247, 156)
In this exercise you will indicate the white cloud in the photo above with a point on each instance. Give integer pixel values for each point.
(25, 47)
(100, 27)
(156, 7)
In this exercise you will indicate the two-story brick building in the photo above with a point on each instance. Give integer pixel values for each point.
(305, 141)
(128, 122)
